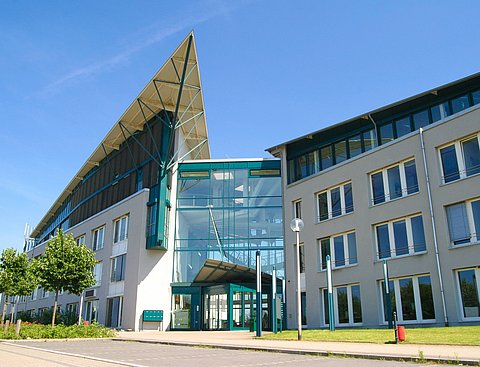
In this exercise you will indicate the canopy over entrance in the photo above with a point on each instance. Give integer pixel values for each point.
(216, 271)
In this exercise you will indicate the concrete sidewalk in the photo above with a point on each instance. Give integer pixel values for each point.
(465, 355)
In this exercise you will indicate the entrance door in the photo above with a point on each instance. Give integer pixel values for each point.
(186, 311)
(216, 311)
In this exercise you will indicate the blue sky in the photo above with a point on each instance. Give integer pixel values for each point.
(271, 71)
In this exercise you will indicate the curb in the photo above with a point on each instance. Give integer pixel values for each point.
(323, 353)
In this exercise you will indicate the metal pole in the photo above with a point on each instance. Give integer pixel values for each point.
(274, 300)
(434, 229)
(331, 314)
(259, 295)
(388, 301)
(299, 292)
(80, 309)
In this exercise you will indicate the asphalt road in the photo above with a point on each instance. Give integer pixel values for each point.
(107, 353)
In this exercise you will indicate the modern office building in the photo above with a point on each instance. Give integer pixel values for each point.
(401, 184)
(172, 230)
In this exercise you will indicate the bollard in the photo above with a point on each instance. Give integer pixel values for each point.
(395, 326)
(17, 327)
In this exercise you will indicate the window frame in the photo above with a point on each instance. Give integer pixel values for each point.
(81, 240)
(391, 237)
(460, 158)
(114, 268)
(115, 229)
(459, 292)
(398, 300)
(343, 208)
(386, 184)
(346, 251)
(98, 273)
(351, 317)
(297, 209)
(95, 244)
(473, 235)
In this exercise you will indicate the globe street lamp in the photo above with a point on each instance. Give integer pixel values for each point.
(296, 226)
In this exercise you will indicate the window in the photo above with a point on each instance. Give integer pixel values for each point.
(402, 126)
(326, 158)
(297, 209)
(303, 302)
(460, 103)
(114, 312)
(340, 151)
(342, 249)
(441, 111)
(411, 299)
(45, 293)
(369, 139)
(420, 119)
(347, 305)
(394, 182)
(386, 133)
(118, 268)
(404, 236)
(97, 271)
(476, 97)
(460, 159)
(120, 229)
(301, 250)
(355, 145)
(80, 240)
(464, 222)
(91, 308)
(72, 307)
(335, 202)
(98, 238)
(468, 292)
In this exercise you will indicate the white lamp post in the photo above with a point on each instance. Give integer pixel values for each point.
(296, 226)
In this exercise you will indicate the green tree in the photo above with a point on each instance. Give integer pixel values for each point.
(16, 276)
(65, 266)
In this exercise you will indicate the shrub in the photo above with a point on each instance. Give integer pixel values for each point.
(35, 331)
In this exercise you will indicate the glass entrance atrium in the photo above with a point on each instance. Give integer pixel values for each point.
(226, 211)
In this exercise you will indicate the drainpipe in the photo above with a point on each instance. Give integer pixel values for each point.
(434, 228)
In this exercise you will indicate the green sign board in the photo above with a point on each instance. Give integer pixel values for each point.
(153, 315)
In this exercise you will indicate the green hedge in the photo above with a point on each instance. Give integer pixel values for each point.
(35, 331)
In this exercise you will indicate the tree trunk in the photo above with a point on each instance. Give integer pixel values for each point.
(54, 313)
(13, 309)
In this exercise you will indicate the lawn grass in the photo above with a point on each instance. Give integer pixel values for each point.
(454, 335)
(38, 331)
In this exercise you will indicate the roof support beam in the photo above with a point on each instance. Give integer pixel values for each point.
(160, 164)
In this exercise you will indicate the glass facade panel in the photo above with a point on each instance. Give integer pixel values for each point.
(386, 133)
(408, 299)
(339, 250)
(458, 224)
(383, 241)
(355, 145)
(449, 164)
(469, 293)
(391, 288)
(440, 111)
(460, 103)
(336, 202)
(403, 126)
(476, 97)
(342, 305)
(476, 218)
(357, 304)
(324, 251)
(426, 298)
(411, 177)
(369, 140)
(242, 214)
(378, 189)
(340, 151)
(394, 183)
(471, 156)
(401, 240)
(352, 248)
(322, 206)
(326, 158)
(418, 234)
(347, 189)
(420, 119)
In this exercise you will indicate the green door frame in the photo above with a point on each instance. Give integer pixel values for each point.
(195, 305)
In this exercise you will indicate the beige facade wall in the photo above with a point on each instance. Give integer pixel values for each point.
(368, 272)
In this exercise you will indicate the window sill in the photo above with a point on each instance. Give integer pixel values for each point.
(393, 200)
(333, 218)
(458, 179)
(339, 267)
(472, 243)
(401, 256)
